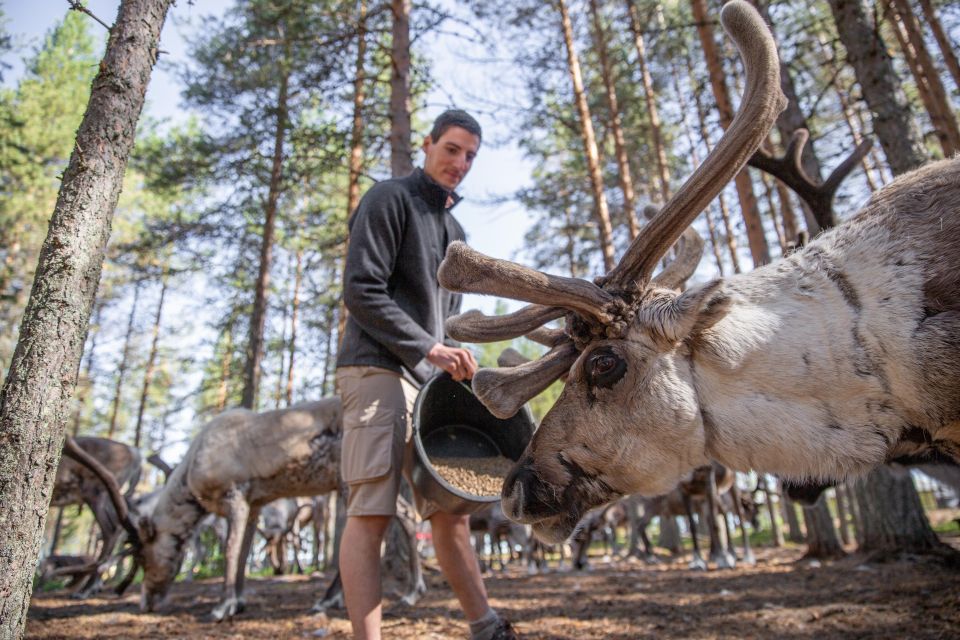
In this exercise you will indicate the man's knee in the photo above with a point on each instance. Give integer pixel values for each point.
(368, 526)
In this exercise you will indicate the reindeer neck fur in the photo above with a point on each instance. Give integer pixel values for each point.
(835, 358)
(177, 511)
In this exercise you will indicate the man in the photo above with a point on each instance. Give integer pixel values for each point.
(394, 331)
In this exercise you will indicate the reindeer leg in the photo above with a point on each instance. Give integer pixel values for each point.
(748, 556)
(248, 532)
(697, 562)
(718, 555)
(238, 513)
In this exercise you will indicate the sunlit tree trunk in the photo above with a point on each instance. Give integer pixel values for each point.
(35, 398)
(842, 514)
(822, 540)
(291, 358)
(649, 96)
(729, 232)
(124, 362)
(225, 363)
(151, 360)
(794, 532)
(772, 512)
(615, 121)
(946, 47)
(748, 201)
(258, 319)
(401, 160)
(589, 140)
(926, 76)
(867, 54)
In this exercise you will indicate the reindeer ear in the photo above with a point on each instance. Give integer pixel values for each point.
(146, 528)
(677, 317)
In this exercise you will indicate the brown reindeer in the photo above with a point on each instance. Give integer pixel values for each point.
(75, 484)
(821, 365)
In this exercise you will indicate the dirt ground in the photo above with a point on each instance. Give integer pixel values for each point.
(782, 597)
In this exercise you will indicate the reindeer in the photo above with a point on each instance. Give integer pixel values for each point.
(77, 485)
(282, 521)
(238, 462)
(821, 365)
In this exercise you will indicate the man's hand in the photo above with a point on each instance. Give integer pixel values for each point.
(459, 363)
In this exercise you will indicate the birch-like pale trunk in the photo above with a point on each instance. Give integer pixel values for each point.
(36, 394)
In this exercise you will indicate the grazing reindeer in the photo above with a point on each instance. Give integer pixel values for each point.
(821, 365)
(282, 521)
(239, 461)
(75, 484)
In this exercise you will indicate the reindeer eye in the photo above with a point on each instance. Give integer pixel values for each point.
(606, 368)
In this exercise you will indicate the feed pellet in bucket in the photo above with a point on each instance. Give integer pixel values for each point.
(476, 476)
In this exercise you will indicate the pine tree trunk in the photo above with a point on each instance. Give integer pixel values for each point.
(615, 121)
(748, 201)
(35, 399)
(151, 361)
(588, 137)
(291, 358)
(124, 361)
(85, 383)
(258, 319)
(401, 161)
(772, 512)
(867, 54)
(789, 120)
(822, 540)
(649, 96)
(927, 77)
(225, 362)
(729, 234)
(946, 47)
(794, 532)
(356, 143)
(892, 518)
(670, 535)
(842, 514)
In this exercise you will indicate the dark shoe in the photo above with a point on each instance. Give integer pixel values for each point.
(505, 631)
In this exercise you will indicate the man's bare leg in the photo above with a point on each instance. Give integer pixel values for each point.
(360, 572)
(451, 542)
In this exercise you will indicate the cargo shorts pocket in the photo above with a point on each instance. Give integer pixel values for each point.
(367, 452)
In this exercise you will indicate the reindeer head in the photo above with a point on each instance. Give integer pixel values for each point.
(161, 555)
(628, 419)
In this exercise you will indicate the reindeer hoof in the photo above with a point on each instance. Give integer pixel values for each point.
(698, 564)
(227, 609)
(749, 560)
(724, 561)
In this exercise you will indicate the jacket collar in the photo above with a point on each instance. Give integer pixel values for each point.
(433, 192)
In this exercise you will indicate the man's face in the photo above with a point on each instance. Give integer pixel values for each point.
(448, 160)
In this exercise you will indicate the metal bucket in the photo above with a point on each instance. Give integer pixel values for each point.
(449, 421)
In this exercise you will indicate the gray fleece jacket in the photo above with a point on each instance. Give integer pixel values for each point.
(398, 237)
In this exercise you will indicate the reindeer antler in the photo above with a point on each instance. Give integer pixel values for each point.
(75, 451)
(474, 326)
(789, 170)
(761, 103)
(607, 307)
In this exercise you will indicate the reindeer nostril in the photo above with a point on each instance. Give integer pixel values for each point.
(531, 495)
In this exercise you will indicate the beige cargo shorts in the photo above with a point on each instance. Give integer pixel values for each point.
(377, 440)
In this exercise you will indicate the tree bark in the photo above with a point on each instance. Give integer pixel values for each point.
(842, 517)
(946, 47)
(588, 137)
(772, 512)
(748, 201)
(401, 160)
(729, 233)
(794, 533)
(124, 361)
(151, 360)
(291, 358)
(926, 76)
(822, 540)
(615, 121)
(649, 96)
(867, 54)
(258, 319)
(892, 518)
(35, 399)
(225, 363)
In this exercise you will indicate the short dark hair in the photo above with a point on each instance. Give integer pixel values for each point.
(454, 118)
